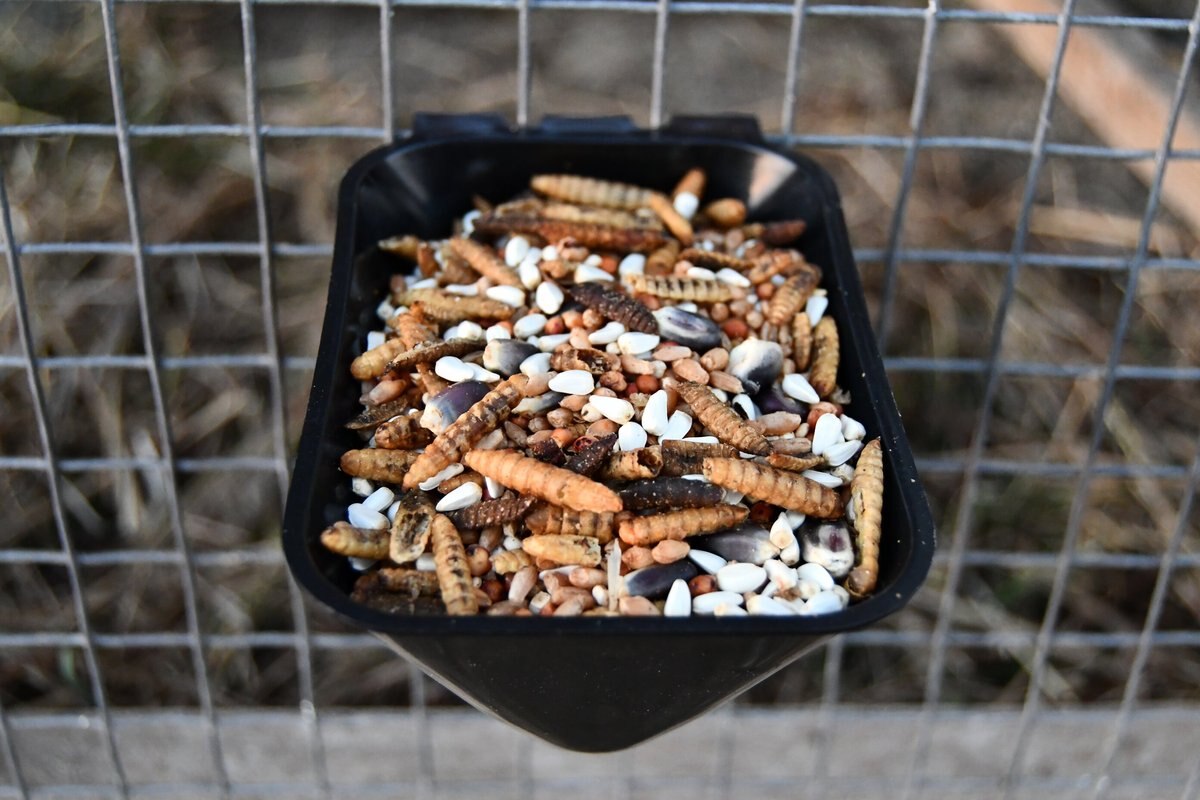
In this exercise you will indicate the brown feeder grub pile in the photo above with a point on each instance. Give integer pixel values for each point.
(598, 399)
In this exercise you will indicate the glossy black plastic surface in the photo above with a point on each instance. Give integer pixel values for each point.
(590, 684)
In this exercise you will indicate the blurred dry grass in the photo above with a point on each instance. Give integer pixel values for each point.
(183, 65)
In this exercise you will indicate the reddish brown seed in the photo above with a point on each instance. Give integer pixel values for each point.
(702, 584)
(736, 329)
(818, 410)
(494, 589)
(647, 384)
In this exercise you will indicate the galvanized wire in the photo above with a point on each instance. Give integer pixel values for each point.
(974, 465)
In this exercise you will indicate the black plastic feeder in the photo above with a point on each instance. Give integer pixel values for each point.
(589, 684)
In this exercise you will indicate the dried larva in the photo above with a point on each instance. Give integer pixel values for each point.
(347, 540)
(453, 570)
(663, 259)
(790, 298)
(452, 308)
(404, 246)
(507, 562)
(585, 234)
(374, 416)
(484, 261)
(549, 519)
(686, 458)
(666, 493)
(646, 531)
(801, 341)
(798, 446)
(794, 463)
(373, 363)
(713, 259)
(552, 484)
(583, 551)
(615, 305)
(411, 527)
(611, 217)
(777, 487)
(672, 287)
(824, 368)
(775, 262)
(692, 182)
(547, 450)
(491, 513)
(782, 232)
(661, 205)
(426, 261)
(721, 420)
(632, 465)
(597, 362)
(402, 433)
(430, 352)
(591, 191)
(479, 420)
(400, 580)
(866, 516)
(387, 466)
(589, 458)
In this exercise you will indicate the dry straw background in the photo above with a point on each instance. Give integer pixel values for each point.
(319, 65)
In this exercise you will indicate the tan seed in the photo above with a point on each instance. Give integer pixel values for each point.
(672, 352)
(670, 551)
(637, 557)
(689, 369)
(717, 358)
(637, 607)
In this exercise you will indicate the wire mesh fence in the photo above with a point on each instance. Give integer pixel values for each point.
(1029, 246)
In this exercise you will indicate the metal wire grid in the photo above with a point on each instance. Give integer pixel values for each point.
(974, 466)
